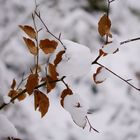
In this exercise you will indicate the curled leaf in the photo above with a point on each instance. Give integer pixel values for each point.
(41, 102)
(58, 58)
(64, 94)
(31, 46)
(48, 46)
(100, 75)
(29, 31)
(32, 82)
(104, 26)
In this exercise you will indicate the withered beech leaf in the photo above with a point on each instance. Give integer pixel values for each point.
(13, 85)
(29, 31)
(58, 58)
(32, 82)
(48, 46)
(12, 93)
(52, 71)
(104, 25)
(31, 45)
(50, 85)
(22, 96)
(95, 74)
(41, 102)
(65, 92)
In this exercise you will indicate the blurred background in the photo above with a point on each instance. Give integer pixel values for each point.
(115, 106)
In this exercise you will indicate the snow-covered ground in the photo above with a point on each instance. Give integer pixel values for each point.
(114, 105)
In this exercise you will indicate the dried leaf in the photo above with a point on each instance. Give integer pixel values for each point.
(13, 84)
(98, 71)
(31, 46)
(104, 25)
(58, 58)
(48, 46)
(65, 92)
(41, 102)
(32, 82)
(12, 93)
(29, 31)
(50, 85)
(22, 96)
(52, 71)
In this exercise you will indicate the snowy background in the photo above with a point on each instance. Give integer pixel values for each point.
(115, 105)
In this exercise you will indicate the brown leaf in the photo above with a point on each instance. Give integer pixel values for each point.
(104, 26)
(32, 82)
(31, 46)
(29, 31)
(65, 92)
(48, 46)
(22, 96)
(13, 84)
(50, 85)
(95, 74)
(52, 71)
(12, 93)
(41, 102)
(58, 58)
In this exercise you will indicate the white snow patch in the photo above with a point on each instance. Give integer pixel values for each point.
(6, 99)
(76, 61)
(102, 75)
(111, 47)
(75, 106)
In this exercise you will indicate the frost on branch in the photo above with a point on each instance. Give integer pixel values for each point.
(7, 129)
(75, 61)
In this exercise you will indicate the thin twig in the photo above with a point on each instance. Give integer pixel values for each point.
(62, 79)
(90, 126)
(126, 81)
(36, 39)
(57, 38)
(129, 40)
(22, 79)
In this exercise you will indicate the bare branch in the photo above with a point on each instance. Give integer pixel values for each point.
(57, 38)
(129, 40)
(126, 81)
(91, 127)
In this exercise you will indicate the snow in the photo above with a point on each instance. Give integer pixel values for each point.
(7, 129)
(110, 48)
(102, 75)
(76, 61)
(75, 106)
(114, 104)
(6, 99)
